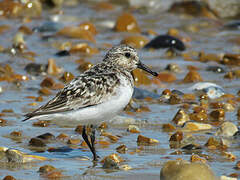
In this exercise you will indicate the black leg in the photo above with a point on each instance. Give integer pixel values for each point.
(90, 145)
(92, 136)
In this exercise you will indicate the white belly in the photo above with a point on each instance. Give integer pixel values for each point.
(97, 113)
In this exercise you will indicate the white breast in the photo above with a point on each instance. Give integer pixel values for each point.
(98, 113)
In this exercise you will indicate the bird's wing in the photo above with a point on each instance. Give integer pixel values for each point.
(85, 90)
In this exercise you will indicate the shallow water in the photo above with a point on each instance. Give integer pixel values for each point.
(147, 163)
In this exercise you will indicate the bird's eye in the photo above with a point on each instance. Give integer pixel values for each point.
(127, 55)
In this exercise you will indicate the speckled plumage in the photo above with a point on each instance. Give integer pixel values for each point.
(97, 89)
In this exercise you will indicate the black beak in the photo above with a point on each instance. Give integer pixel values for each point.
(145, 68)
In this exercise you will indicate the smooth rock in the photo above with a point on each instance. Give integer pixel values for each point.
(183, 170)
(166, 41)
(195, 126)
(212, 90)
(181, 117)
(227, 129)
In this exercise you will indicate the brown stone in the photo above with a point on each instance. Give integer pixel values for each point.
(127, 22)
(45, 91)
(178, 136)
(199, 116)
(41, 123)
(16, 133)
(213, 143)
(192, 76)
(46, 169)
(181, 117)
(110, 136)
(174, 99)
(141, 78)
(47, 82)
(146, 140)
(83, 48)
(196, 158)
(67, 77)
(168, 127)
(62, 136)
(53, 175)
(133, 129)
(8, 177)
(122, 149)
(85, 66)
(115, 157)
(103, 125)
(135, 41)
(88, 26)
(195, 126)
(218, 114)
(166, 77)
(231, 59)
(77, 32)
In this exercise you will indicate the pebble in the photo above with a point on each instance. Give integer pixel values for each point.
(213, 143)
(174, 99)
(122, 149)
(232, 25)
(36, 69)
(193, 8)
(127, 23)
(46, 169)
(141, 78)
(110, 164)
(49, 26)
(46, 137)
(178, 136)
(167, 77)
(218, 115)
(227, 129)
(52, 68)
(192, 76)
(63, 53)
(183, 170)
(168, 127)
(112, 161)
(199, 116)
(133, 129)
(195, 126)
(166, 41)
(216, 69)
(212, 90)
(37, 142)
(17, 156)
(67, 77)
(135, 41)
(8, 177)
(110, 136)
(196, 158)
(77, 33)
(146, 140)
(181, 117)
(173, 67)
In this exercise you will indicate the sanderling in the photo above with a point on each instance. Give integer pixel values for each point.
(96, 95)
